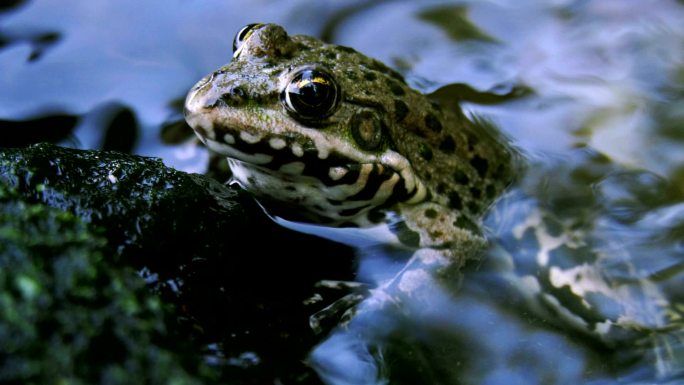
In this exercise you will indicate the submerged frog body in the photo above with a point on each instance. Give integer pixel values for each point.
(324, 134)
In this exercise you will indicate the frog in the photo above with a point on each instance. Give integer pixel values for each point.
(322, 134)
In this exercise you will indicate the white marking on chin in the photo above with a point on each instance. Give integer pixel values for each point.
(337, 173)
(250, 138)
(297, 150)
(323, 152)
(228, 138)
(277, 143)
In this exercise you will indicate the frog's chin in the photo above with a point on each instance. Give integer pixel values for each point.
(346, 197)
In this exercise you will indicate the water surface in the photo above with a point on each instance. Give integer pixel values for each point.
(601, 126)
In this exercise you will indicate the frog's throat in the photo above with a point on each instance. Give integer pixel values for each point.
(336, 188)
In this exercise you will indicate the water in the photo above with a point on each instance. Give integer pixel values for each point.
(602, 130)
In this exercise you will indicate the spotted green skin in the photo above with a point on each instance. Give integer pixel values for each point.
(434, 175)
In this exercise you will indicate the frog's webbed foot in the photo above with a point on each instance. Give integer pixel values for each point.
(341, 310)
(428, 273)
(337, 313)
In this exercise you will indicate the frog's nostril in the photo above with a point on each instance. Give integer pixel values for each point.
(235, 96)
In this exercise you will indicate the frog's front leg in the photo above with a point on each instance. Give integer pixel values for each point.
(442, 243)
(446, 241)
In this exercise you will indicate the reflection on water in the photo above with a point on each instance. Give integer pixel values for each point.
(581, 284)
(583, 279)
(601, 126)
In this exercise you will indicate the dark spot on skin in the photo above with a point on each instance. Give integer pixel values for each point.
(480, 164)
(400, 110)
(431, 213)
(461, 178)
(351, 75)
(490, 192)
(433, 123)
(369, 76)
(418, 131)
(378, 66)
(425, 152)
(331, 55)
(473, 207)
(436, 106)
(464, 223)
(251, 180)
(442, 188)
(475, 192)
(290, 188)
(448, 145)
(405, 235)
(396, 88)
(455, 201)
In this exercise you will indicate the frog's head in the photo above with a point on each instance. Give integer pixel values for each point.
(320, 127)
(305, 122)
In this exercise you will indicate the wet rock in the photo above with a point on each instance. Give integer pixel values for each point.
(237, 280)
(68, 314)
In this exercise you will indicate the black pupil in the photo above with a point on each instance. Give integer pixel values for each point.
(311, 94)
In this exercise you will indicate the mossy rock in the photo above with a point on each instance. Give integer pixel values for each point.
(194, 270)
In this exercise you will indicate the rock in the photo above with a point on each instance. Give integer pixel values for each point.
(70, 315)
(237, 282)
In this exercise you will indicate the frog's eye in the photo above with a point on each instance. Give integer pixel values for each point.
(312, 94)
(366, 129)
(242, 36)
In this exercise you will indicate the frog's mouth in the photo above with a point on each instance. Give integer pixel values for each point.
(333, 190)
(291, 157)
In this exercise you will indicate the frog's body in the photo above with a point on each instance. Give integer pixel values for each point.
(323, 134)
(372, 145)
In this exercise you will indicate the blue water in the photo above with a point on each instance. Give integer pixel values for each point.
(602, 131)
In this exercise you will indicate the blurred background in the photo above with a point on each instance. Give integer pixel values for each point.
(113, 74)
